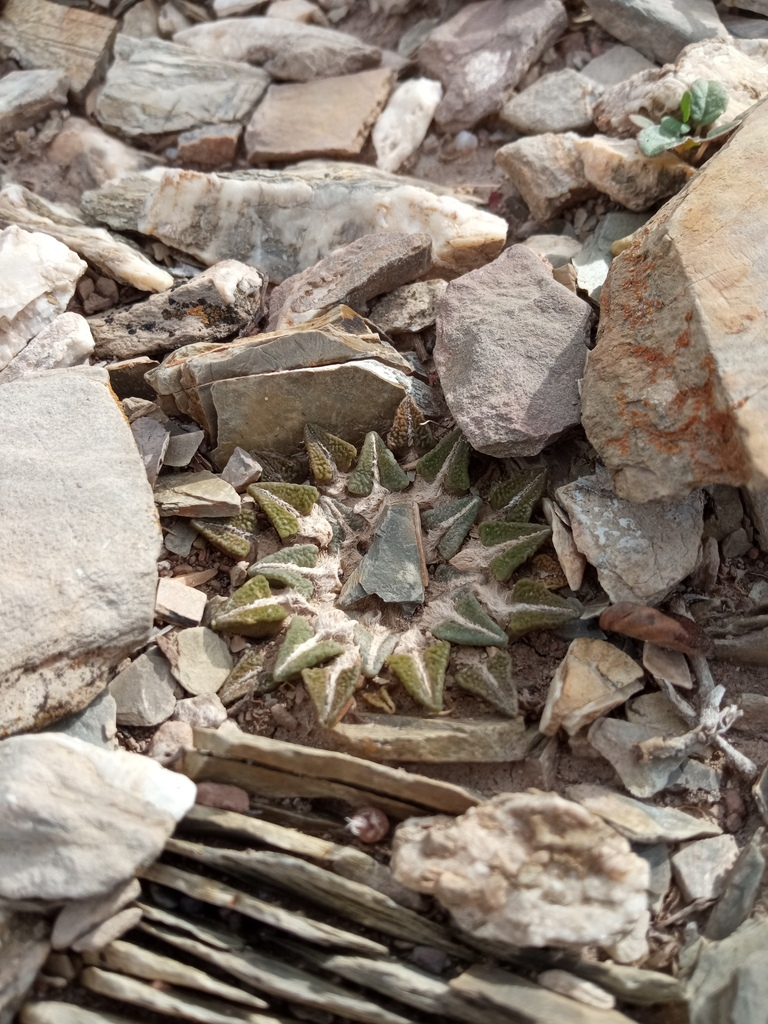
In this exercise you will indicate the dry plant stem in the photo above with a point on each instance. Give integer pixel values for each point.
(709, 722)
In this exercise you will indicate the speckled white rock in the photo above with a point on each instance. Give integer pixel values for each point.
(526, 869)
(205, 711)
(39, 275)
(283, 222)
(66, 341)
(618, 168)
(27, 96)
(78, 821)
(402, 125)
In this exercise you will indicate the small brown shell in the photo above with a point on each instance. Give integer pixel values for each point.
(368, 824)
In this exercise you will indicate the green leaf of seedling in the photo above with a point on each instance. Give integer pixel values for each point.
(671, 126)
(708, 101)
(656, 140)
(640, 121)
(685, 106)
(723, 129)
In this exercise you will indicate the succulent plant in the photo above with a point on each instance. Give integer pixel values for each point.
(511, 544)
(252, 611)
(375, 644)
(290, 469)
(332, 687)
(376, 466)
(468, 623)
(536, 607)
(447, 526)
(346, 524)
(517, 498)
(421, 668)
(410, 431)
(303, 648)
(283, 503)
(233, 535)
(489, 678)
(285, 567)
(327, 453)
(248, 676)
(447, 462)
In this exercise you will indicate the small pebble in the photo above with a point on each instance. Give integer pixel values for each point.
(429, 959)
(170, 741)
(283, 717)
(223, 796)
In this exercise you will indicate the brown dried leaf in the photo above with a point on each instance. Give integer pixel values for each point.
(675, 632)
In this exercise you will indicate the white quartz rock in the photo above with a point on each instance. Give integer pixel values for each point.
(39, 276)
(114, 256)
(285, 221)
(66, 341)
(89, 156)
(404, 122)
(527, 869)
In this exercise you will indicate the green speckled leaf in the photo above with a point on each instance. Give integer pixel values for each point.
(333, 686)
(327, 453)
(248, 676)
(537, 608)
(454, 519)
(492, 681)
(376, 464)
(250, 611)
(518, 497)
(301, 649)
(300, 496)
(409, 429)
(516, 542)
(375, 645)
(422, 673)
(232, 535)
(470, 625)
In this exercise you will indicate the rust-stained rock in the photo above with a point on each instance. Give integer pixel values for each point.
(676, 392)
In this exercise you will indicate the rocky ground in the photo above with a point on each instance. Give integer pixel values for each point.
(385, 511)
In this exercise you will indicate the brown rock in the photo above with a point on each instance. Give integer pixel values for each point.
(619, 168)
(213, 145)
(548, 172)
(328, 117)
(223, 796)
(642, 622)
(674, 394)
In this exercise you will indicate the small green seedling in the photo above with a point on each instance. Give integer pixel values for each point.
(700, 107)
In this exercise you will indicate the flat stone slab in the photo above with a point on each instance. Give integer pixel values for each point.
(639, 822)
(79, 545)
(27, 96)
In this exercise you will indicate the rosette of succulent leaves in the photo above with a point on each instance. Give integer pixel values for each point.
(328, 526)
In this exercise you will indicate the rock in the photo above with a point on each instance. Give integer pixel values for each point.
(65, 341)
(525, 896)
(64, 630)
(560, 101)
(41, 34)
(619, 168)
(717, 978)
(203, 711)
(182, 448)
(754, 721)
(548, 172)
(88, 156)
(154, 87)
(287, 50)
(655, 711)
(510, 349)
(748, 991)
(296, 10)
(760, 793)
(483, 52)
(75, 919)
(352, 275)
(144, 692)
(402, 126)
(409, 308)
(294, 218)
(152, 440)
(344, 109)
(741, 890)
(657, 92)
(659, 29)
(212, 306)
(97, 723)
(746, 27)
(593, 678)
(78, 821)
(701, 868)
(170, 741)
(576, 988)
(178, 603)
(196, 495)
(657, 859)
(640, 551)
(726, 511)
(40, 275)
(204, 660)
(594, 260)
(639, 822)
(27, 96)
(114, 257)
(615, 65)
(617, 742)
(25, 939)
(241, 470)
(693, 418)
(393, 568)
(556, 249)
(209, 147)
(108, 931)
(224, 796)
(668, 665)
(736, 544)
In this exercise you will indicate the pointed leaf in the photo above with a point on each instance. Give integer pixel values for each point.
(422, 673)
(491, 680)
(375, 644)
(276, 468)
(251, 611)
(518, 497)
(536, 607)
(376, 464)
(332, 687)
(515, 542)
(248, 675)
(453, 519)
(327, 453)
(723, 129)
(281, 501)
(708, 101)
(233, 535)
(470, 625)
(685, 107)
(640, 121)
(449, 457)
(409, 429)
(302, 649)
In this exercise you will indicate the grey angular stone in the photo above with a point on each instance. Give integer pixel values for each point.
(747, 996)
(154, 87)
(754, 720)
(717, 969)
(285, 221)
(548, 172)
(241, 470)
(352, 275)
(288, 50)
(96, 723)
(617, 741)
(178, 603)
(65, 341)
(152, 440)
(409, 308)
(88, 156)
(182, 448)
(212, 306)
(736, 544)
(641, 822)
(658, 28)
(510, 349)
(560, 101)
(75, 919)
(483, 52)
(615, 65)
(144, 692)
(25, 940)
(27, 96)
(594, 261)
(745, 28)
(344, 109)
(78, 821)
(556, 249)
(660, 868)
(656, 711)
(640, 551)
(760, 792)
(196, 495)
(108, 931)
(170, 741)
(204, 660)
(393, 566)
(741, 890)
(701, 867)
(64, 626)
(727, 513)
(203, 711)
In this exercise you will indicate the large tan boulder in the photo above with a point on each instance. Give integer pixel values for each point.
(675, 393)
